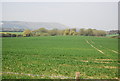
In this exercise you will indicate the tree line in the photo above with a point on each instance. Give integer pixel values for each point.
(70, 32)
(57, 32)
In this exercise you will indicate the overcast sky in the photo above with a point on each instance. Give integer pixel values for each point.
(98, 15)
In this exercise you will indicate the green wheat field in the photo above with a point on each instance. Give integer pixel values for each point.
(59, 57)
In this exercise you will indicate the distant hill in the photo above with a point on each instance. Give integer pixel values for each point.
(21, 25)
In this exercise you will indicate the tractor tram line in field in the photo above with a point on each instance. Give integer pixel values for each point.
(36, 75)
(95, 47)
(106, 54)
(113, 51)
(102, 52)
(105, 48)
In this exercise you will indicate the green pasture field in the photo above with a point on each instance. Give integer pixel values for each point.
(59, 57)
(112, 35)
